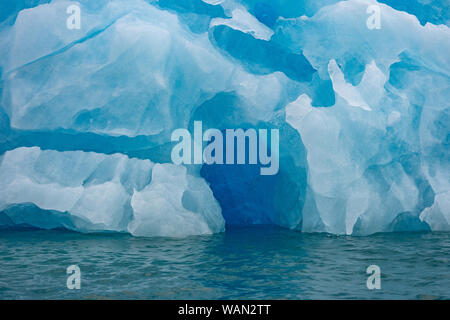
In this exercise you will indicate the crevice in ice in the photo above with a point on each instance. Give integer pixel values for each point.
(268, 11)
(194, 6)
(408, 222)
(140, 147)
(196, 14)
(260, 56)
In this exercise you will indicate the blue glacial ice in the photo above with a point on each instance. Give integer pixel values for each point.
(86, 115)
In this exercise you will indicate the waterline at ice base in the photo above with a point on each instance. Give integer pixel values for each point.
(358, 92)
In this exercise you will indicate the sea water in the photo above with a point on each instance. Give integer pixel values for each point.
(261, 262)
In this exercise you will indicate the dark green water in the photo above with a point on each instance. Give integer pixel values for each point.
(243, 263)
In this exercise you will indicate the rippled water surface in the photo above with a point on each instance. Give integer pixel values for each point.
(243, 263)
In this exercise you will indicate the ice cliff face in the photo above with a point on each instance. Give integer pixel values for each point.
(86, 115)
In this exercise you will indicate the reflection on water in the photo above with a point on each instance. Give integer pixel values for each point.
(243, 263)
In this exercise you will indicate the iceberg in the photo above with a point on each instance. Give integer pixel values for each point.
(91, 192)
(86, 115)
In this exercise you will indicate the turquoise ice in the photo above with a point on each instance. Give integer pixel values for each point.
(86, 115)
